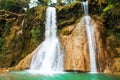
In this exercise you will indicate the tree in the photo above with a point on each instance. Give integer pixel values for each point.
(14, 5)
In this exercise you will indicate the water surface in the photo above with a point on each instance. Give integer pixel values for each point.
(23, 75)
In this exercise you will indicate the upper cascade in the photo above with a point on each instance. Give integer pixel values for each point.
(85, 7)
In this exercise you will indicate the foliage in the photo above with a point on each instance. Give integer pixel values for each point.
(111, 16)
(35, 36)
(23, 3)
(13, 5)
(8, 24)
(2, 41)
(108, 8)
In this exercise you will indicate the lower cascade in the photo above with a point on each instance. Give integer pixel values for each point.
(49, 56)
(91, 41)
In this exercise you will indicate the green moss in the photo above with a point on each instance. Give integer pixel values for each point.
(12, 5)
(8, 24)
(109, 7)
(111, 20)
(36, 34)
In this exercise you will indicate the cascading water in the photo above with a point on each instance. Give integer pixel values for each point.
(90, 37)
(49, 57)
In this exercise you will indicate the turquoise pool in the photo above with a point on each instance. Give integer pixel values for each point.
(23, 75)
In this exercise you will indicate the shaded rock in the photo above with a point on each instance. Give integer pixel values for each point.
(103, 54)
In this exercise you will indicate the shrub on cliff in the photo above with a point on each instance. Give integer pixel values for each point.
(111, 20)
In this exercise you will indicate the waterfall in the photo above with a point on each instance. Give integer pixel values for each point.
(49, 57)
(85, 7)
(90, 37)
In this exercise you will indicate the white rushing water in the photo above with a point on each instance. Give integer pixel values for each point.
(33, 3)
(66, 1)
(54, 1)
(49, 57)
(90, 37)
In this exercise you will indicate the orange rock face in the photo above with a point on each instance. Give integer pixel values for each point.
(75, 44)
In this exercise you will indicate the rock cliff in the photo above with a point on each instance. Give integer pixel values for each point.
(75, 43)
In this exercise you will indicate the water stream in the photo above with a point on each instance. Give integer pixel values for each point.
(90, 37)
(49, 57)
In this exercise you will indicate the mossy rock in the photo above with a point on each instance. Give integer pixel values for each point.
(68, 14)
(111, 20)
